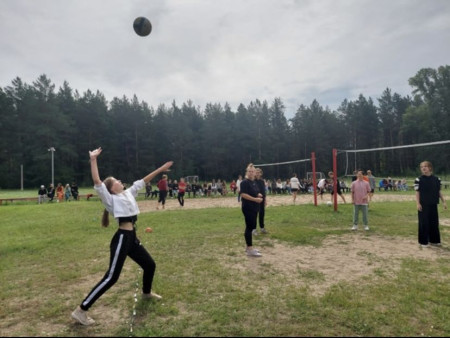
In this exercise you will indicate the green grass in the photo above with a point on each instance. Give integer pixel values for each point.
(53, 254)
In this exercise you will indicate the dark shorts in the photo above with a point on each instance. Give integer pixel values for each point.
(372, 190)
(294, 190)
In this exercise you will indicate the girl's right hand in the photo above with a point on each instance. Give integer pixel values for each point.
(94, 153)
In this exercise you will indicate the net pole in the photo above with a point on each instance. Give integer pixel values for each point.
(335, 178)
(313, 160)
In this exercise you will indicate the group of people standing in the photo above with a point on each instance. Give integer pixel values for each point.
(61, 192)
(163, 191)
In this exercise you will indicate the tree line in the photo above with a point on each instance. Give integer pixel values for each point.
(215, 141)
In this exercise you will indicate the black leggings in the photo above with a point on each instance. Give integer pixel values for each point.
(262, 212)
(250, 225)
(181, 198)
(162, 196)
(123, 244)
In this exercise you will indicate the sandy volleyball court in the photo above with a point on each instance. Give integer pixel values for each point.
(272, 200)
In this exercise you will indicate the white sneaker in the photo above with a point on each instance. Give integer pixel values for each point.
(255, 232)
(263, 231)
(82, 317)
(253, 253)
(246, 250)
(354, 227)
(151, 295)
(366, 228)
(424, 246)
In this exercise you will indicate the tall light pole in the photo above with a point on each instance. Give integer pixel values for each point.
(53, 167)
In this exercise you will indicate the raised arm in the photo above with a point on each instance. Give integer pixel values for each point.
(163, 168)
(94, 168)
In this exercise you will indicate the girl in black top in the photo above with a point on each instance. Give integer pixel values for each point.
(251, 198)
(428, 192)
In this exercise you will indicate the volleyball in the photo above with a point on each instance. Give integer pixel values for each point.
(329, 203)
(142, 26)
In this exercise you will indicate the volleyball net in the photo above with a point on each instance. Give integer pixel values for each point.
(355, 151)
(312, 159)
(347, 151)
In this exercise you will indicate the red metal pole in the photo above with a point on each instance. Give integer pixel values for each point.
(335, 178)
(313, 160)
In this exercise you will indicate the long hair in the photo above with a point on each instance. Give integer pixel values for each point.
(105, 218)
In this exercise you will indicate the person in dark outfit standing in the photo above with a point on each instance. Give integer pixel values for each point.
(251, 199)
(262, 206)
(428, 192)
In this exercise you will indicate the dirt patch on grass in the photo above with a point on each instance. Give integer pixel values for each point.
(348, 258)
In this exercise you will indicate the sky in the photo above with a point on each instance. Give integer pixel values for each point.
(226, 51)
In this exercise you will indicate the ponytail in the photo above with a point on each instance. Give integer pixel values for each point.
(105, 218)
(108, 183)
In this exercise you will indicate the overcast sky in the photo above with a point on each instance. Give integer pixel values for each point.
(221, 51)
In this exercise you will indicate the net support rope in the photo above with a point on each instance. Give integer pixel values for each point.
(280, 163)
(396, 147)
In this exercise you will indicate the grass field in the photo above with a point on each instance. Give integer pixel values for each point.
(316, 278)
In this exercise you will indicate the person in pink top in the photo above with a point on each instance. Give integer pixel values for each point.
(360, 199)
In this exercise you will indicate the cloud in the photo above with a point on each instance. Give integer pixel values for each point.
(226, 51)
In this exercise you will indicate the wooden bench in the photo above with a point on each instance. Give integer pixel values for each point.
(35, 199)
(18, 199)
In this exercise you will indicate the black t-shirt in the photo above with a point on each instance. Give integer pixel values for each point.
(251, 188)
(428, 188)
(262, 187)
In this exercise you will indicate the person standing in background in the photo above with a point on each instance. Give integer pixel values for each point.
(251, 199)
(372, 184)
(181, 191)
(238, 187)
(163, 188)
(428, 193)
(262, 206)
(295, 186)
(360, 199)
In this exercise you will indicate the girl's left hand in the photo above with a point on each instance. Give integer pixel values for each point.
(166, 166)
(94, 153)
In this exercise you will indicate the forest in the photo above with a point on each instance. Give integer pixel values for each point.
(215, 142)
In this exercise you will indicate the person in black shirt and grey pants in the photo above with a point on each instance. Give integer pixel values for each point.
(428, 192)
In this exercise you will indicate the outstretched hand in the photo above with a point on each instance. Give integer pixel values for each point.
(94, 153)
(166, 166)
